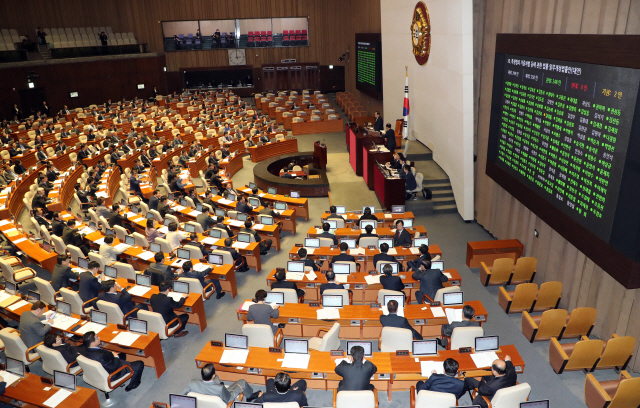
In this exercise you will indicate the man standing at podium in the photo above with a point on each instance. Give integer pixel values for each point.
(390, 138)
(378, 126)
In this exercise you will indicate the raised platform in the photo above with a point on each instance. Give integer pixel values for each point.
(265, 175)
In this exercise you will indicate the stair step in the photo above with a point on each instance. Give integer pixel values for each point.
(428, 181)
(435, 187)
(440, 201)
(443, 209)
(442, 193)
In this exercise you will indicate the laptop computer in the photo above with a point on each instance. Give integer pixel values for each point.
(275, 297)
(349, 241)
(181, 287)
(64, 380)
(298, 346)
(63, 308)
(341, 209)
(272, 190)
(452, 299)
(312, 242)
(236, 341)
(424, 348)
(332, 301)
(295, 266)
(244, 237)
(366, 345)
(487, 343)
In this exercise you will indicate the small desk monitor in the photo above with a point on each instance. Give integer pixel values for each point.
(266, 220)
(129, 240)
(242, 217)
(110, 231)
(371, 207)
(295, 194)
(364, 223)
(366, 345)
(341, 209)
(220, 212)
(246, 405)
(189, 228)
(181, 287)
(215, 259)
(295, 266)
(398, 298)
(143, 280)
(99, 317)
(83, 263)
(32, 296)
(215, 233)
(420, 241)
(237, 341)
(332, 301)
(184, 203)
(111, 272)
(437, 265)
(535, 404)
(10, 288)
(275, 297)
(244, 237)
(351, 242)
(252, 185)
(296, 346)
(487, 343)
(341, 268)
(231, 197)
(408, 223)
(272, 190)
(182, 401)
(154, 247)
(167, 221)
(138, 326)
(184, 254)
(255, 202)
(333, 224)
(199, 207)
(150, 216)
(452, 299)
(397, 209)
(394, 267)
(64, 380)
(63, 307)
(424, 348)
(281, 206)
(15, 367)
(388, 241)
(312, 242)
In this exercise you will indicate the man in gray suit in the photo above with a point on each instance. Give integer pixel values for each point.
(206, 219)
(32, 330)
(430, 280)
(467, 321)
(261, 313)
(101, 209)
(211, 385)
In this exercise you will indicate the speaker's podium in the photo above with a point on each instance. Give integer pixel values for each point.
(390, 190)
(319, 155)
(356, 136)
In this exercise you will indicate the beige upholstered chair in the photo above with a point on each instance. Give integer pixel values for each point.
(261, 335)
(330, 341)
(96, 376)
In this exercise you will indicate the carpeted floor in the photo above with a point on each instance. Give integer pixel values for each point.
(449, 231)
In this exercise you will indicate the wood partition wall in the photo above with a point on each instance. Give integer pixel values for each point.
(584, 283)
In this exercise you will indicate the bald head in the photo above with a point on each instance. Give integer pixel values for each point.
(499, 368)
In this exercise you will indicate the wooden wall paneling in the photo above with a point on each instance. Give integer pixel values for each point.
(585, 283)
(624, 317)
(571, 294)
(606, 304)
(622, 16)
(595, 284)
(633, 19)
(634, 330)
(567, 273)
(550, 265)
(610, 324)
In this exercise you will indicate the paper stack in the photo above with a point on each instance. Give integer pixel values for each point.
(372, 279)
(199, 267)
(484, 359)
(234, 356)
(330, 313)
(414, 251)
(295, 360)
(209, 241)
(311, 275)
(453, 315)
(122, 247)
(340, 278)
(295, 276)
(437, 312)
(90, 326)
(246, 304)
(146, 255)
(138, 290)
(241, 245)
(57, 398)
(125, 338)
(427, 368)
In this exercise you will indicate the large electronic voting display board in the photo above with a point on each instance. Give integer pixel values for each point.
(564, 138)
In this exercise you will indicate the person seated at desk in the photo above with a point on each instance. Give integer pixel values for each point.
(286, 174)
(211, 171)
(32, 330)
(401, 236)
(163, 304)
(206, 219)
(446, 382)
(220, 224)
(326, 234)
(51, 174)
(281, 390)
(184, 159)
(71, 237)
(152, 232)
(302, 254)
(281, 283)
(430, 280)
(355, 372)
(269, 210)
(122, 298)
(409, 180)
(263, 137)
(211, 385)
(161, 266)
(163, 206)
(108, 252)
(331, 282)
(383, 256)
(264, 244)
(39, 200)
(101, 209)
(38, 214)
(390, 281)
(18, 168)
(225, 152)
(227, 138)
(393, 320)
(91, 349)
(424, 256)
(58, 224)
(60, 147)
(467, 321)
(114, 216)
(503, 375)
(194, 242)
(89, 285)
(14, 151)
(55, 341)
(262, 313)
(174, 237)
(242, 206)
(193, 195)
(167, 146)
(333, 215)
(367, 216)
(368, 233)
(187, 271)
(62, 274)
(344, 256)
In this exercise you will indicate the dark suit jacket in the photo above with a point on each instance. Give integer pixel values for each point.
(234, 254)
(330, 285)
(309, 262)
(330, 236)
(402, 239)
(60, 277)
(447, 329)
(134, 185)
(365, 235)
(387, 258)
(430, 281)
(393, 320)
(392, 283)
(342, 258)
(490, 385)
(153, 202)
(289, 396)
(164, 305)
(39, 201)
(367, 217)
(69, 352)
(355, 376)
(71, 236)
(165, 269)
(390, 136)
(287, 285)
(115, 219)
(243, 207)
(106, 358)
(57, 227)
(378, 125)
(444, 383)
(89, 286)
(122, 299)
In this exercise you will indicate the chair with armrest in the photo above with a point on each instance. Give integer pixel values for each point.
(16, 276)
(58, 245)
(366, 241)
(325, 242)
(124, 270)
(196, 287)
(104, 223)
(548, 297)
(350, 399)
(440, 294)
(290, 295)
(582, 355)
(330, 340)
(580, 323)
(545, 326)
(393, 339)
(518, 300)
(210, 401)
(140, 240)
(47, 294)
(121, 232)
(197, 226)
(524, 270)
(261, 335)
(44, 233)
(99, 259)
(620, 393)
(96, 376)
(77, 306)
(497, 275)
(15, 348)
(347, 297)
(617, 353)
(75, 253)
(385, 292)
(508, 397)
(464, 337)
(114, 313)
(52, 360)
(381, 265)
(156, 324)
(431, 399)
(164, 245)
(195, 252)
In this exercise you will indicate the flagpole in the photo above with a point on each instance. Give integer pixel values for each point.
(405, 125)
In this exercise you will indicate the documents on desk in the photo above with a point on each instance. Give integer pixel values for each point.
(179, 208)
(18, 305)
(17, 241)
(453, 315)
(122, 247)
(125, 338)
(357, 251)
(484, 359)
(199, 267)
(311, 275)
(310, 250)
(233, 356)
(295, 360)
(146, 255)
(138, 290)
(246, 304)
(340, 278)
(236, 223)
(392, 251)
(428, 366)
(5, 297)
(294, 276)
(102, 194)
(437, 312)
(385, 311)
(63, 322)
(414, 251)
(5, 222)
(258, 226)
(8, 377)
(130, 214)
(240, 245)
(99, 241)
(90, 326)
(447, 274)
(209, 241)
(388, 216)
(178, 262)
(224, 201)
(329, 313)
(195, 213)
(57, 398)
(372, 279)
(177, 296)
(86, 230)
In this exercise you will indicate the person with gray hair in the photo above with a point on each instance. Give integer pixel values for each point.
(211, 385)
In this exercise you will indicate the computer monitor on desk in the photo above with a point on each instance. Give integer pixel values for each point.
(63, 308)
(275, 297)
(137, 326)
(452, 299)
(252, 185)
(181, 287)
(366, 345)
(295, 266)
(312, 242)
(364, 223)
(83, 263)
(349, 241)
(143, 280)
(487, 343)
(111, 272)
(184, 254)
(242, 217)
(398, 298)
(189, 228)
(154, 248)
(281, 206)
(332, 224)
(408, 223)
(295, 194)
(437, 265)
(244, 237)
(397, 209)
(220, 212)
(64, 380)
(341, 268)
(182, 401)
(388, 241)
(236, 341)
(15, 367)
(332, 301)
(215, 259)
(255, 202)
(296, 346)
(99, 317)
(341, 209)
(417, 242)
(424, 348)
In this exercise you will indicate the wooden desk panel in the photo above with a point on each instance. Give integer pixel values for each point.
(489, 251)
(32, 251)
(384, 219)
(300, 205)
(321, 126)
(232, 166)
(30, 390)
(259, 153)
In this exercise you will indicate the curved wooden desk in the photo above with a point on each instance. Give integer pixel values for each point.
(259, 153)
(265, 176)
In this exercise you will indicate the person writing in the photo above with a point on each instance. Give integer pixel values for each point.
(393, 320)
(446, 382)
(467, 321)
(356, 373)
(430, 280)
(262, 313)
(32, 330)
(163, 304)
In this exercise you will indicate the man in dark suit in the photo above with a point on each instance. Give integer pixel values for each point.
(163, 206)
(89, 285)
(220, 224)
(302, 253)
(343, 257)
(424, 256)
(114, 217)
(188, 272)
(446, 382)
(39, 199)
(211, 171)
(378, 125)
(163, 304)
(430, 280)
(62, 273)
(503, 375)
(383, 256)
(390, 138)
(390, 281)
(154, 200)
(333, 215)
(54, 341)
(368, 233)
(235, 255)
(206, 219)
(281, 390)
(268, 210)
(331, 283)
(281, 283)
(467, 321)
(242, 205)
(57, 225)
(402, 236)
(367, 215)
(40, 154)
(160, 266)
(134, 184)
(91, 349)
(39, 216)
(265, 244)
(393, 320)
(287, 175)
(410, 183)
(326, 234)
(71, 237)
(122, 299)
(355, 373)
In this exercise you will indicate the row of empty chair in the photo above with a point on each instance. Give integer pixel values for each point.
(77, 30)
(8, 38)
(351, 106)
(90, 40)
